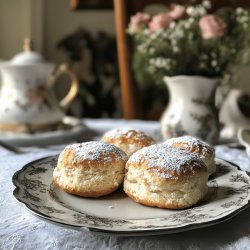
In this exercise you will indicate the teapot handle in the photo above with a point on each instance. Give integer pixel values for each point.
(74, 88)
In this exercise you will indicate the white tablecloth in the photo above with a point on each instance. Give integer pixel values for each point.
(19, 229)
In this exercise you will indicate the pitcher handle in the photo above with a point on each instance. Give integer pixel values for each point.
(74, 85)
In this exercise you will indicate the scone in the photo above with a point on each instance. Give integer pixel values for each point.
(165, 177)
(90, 169)
(128, 139)
(196, 146)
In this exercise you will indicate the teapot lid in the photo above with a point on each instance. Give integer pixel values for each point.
(28, 56)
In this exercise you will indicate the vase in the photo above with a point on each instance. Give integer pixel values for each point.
(191, 109)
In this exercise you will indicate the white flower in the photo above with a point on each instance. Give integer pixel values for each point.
(165, 34)
(207, 4)
(151, 51)
(214, 63)
(131, 31)
(146, 31)
(154, 35)
(197, 11)
(172, 25)
(159, 63)
(239, 10)
(187, 25)
(173, 43)
(201, 10)
(179, 33)
(245, 19)
(191, 11)
(176, 49)
(191, 20)
(142, 48)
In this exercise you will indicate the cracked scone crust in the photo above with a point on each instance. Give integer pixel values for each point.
(165, 177)
(90, 169)
(196, 146)
(128, 139)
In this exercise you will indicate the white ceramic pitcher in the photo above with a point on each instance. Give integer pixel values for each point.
(191, 109)
(27, 99)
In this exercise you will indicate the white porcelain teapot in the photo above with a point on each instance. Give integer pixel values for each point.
(27, 99)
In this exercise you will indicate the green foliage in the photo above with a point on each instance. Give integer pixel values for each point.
(180, 48)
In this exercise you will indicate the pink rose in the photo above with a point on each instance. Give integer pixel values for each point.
(177, 12)
(212, 26)
(138, 20)
(160, 21)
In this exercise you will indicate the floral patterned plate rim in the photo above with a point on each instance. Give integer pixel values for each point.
(229, 194)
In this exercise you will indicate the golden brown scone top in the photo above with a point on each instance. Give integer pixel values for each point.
(191, 145)
(92, 151)
(169, 163)
(128, 135)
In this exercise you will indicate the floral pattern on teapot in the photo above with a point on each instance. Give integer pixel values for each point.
(27, 96)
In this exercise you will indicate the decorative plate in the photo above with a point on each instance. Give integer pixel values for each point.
(229, 194)
(75, 131)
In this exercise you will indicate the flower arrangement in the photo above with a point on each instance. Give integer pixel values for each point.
(189, 40)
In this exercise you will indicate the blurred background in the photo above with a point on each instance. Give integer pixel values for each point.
(61, 32)
(79, 32)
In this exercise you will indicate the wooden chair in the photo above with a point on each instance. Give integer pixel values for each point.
(131, 100)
